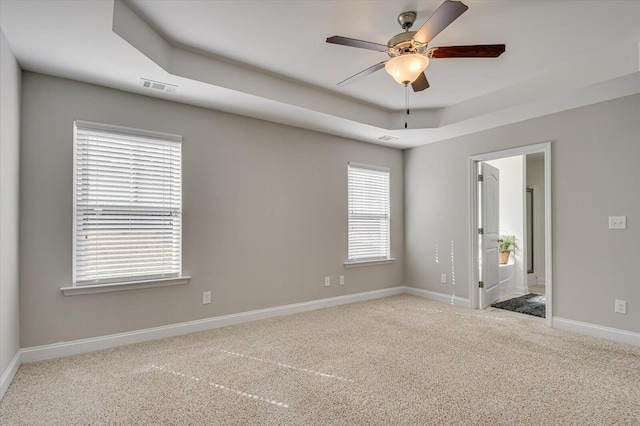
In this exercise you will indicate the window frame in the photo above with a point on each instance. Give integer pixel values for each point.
(362, 261)
(123, 282)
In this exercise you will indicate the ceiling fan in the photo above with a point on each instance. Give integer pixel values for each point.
(409, 51)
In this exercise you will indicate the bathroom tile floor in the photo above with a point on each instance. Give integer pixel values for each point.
(537, 289)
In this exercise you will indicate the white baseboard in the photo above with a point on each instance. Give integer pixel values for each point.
(615, 334)
(438, 297)
(10, 372)
(57, 350)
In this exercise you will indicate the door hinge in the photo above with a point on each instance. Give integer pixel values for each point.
(481, 231)
(481, 284)
(480, 178)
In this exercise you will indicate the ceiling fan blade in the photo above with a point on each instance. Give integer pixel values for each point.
(477, 51)
(448, 12)
(362, 74)
(345, 41)
(420, 83)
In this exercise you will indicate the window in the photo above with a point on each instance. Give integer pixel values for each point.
(127, 205)
(369, 219)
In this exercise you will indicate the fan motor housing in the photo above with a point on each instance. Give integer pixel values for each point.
(404, 43)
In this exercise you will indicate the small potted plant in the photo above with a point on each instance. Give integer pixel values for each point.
(506, 245)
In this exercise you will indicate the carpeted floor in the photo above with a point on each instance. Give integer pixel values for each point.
(530, 304)
(400, 360)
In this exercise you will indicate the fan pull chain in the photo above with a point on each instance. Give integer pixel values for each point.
(406, 104)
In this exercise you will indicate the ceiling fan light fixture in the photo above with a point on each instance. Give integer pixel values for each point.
(406, 68)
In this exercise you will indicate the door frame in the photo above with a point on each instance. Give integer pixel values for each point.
(545, 149)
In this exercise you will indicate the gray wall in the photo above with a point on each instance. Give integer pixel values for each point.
(265, 214)
(595, 174)
(10, 76)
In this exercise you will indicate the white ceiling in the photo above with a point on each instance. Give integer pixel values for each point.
(269, 59)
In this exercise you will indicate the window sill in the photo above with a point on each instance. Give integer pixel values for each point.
(131, 285)
(355, 263)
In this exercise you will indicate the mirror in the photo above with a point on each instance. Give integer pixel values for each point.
(529, 206)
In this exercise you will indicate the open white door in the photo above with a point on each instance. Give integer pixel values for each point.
(490, 223)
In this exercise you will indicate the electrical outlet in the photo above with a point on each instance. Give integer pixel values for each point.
(443, 278)
(617, 222)
(341, 279)
(206, 297)
(621, 306)
(327, 281)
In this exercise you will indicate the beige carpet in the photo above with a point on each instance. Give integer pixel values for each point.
(400, 360)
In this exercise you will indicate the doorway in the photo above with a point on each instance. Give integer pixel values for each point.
(528, 221)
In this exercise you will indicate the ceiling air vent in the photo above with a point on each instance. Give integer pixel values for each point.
(156, 85)
(387, 138)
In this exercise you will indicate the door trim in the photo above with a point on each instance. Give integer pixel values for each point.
(544, 148)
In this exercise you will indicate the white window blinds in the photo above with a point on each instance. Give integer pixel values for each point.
(369, 218)
(128, 204)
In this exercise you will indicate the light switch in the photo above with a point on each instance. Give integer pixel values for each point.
(617, 222)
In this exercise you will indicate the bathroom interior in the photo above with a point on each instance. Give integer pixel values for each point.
(521, 213)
